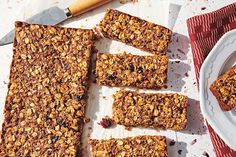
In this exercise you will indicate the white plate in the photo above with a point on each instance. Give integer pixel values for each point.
(221, 58)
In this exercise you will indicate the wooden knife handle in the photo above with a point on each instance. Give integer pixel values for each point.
(82, 6)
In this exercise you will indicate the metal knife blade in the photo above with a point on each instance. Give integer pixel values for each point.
(50, 16)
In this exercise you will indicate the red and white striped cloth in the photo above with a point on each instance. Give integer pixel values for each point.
(204, 31)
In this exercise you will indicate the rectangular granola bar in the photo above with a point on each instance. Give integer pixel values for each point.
(224, 89)
(130, 146)
(159, 111)
(46, 100)
(131, 70)
(136, 32)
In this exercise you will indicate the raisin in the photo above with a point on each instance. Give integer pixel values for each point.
(131, 68)
(27, 155)
(111, 77)
(60, 122)
(78, 97)
(140, 70)
(54, 139)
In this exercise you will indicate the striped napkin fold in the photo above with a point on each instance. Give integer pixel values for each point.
(204, 31)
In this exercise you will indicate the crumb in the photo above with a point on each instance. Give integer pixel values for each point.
(127, 1)
(128, 128)
(193, 142)
(186, 74)
(90, 128)
(203, 8)
(123, 1)
(88, 135)
(177, 61)
(181, 51)
(4, 82)
(172, 142)
(106, 122)
(177, 55)
(205, 154)
(179, 152)
(177, 75)
(104, 97)
(168, 50)
(86, 120)
(98, 34)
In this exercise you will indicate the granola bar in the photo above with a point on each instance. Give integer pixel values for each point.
(130, 146)
(164, 111)
(224, 89)
(136, 32)
(131, 70)
(46, 100)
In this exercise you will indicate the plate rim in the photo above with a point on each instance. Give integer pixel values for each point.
(202, 83)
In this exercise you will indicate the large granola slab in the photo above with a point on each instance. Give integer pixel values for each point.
(46, 100)
(131, 70)
(131, 146)
(159, 111)
(136, 32)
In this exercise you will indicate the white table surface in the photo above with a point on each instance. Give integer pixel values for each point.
(181, 74)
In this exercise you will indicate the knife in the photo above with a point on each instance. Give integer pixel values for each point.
(56, 15)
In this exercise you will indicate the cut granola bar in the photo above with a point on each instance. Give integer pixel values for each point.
(130, 146)
(131, 70)
(164, 111)
(46, 100)
(224, 89)
(136, 32)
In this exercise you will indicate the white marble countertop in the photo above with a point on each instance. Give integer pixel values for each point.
(181, 70)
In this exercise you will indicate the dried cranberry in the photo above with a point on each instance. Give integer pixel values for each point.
(106, 122)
